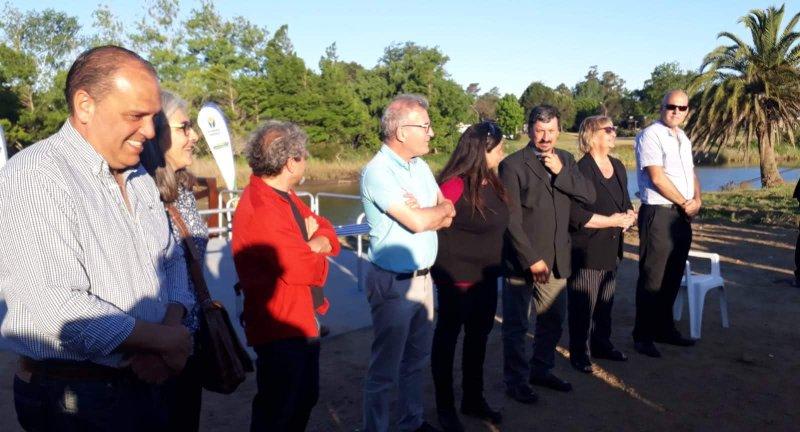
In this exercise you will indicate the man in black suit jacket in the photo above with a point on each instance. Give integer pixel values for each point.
(796, 196)
(541, 181)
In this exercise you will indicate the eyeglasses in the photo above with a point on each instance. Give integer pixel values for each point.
(609, 129)
(185, 126)
(426, 126)
(673, 107)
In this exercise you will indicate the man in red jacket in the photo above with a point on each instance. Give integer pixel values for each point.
(280, 249)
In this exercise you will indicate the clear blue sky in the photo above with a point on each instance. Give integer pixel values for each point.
(507, 44)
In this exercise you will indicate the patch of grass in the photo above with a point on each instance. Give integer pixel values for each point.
(773, 206)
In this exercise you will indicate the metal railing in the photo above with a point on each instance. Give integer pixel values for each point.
(358, 229)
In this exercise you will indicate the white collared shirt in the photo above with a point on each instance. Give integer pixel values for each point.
(659, 145)
(77, 267)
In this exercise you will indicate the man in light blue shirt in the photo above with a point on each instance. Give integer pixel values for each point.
(670, 195)
(404, 208)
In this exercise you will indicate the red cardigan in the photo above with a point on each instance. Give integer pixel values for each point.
(275, 265)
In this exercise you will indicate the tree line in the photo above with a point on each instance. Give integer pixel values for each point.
(742, 93)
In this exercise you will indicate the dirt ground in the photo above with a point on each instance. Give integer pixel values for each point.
(743, 378)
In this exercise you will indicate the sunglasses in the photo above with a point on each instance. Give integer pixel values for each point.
(185, 126)
(609, 129)
(673, 107)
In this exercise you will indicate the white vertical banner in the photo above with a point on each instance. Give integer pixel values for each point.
(3, 152)
(215, 130)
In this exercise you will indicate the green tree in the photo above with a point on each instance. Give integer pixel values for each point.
(485, 105)
(510, 115)
(109, 29)
(159, 38)
(535, 94)
(750, 90)
(665, 77)
(223, 58)
(410, 68)
(36, 50)
(341, 118)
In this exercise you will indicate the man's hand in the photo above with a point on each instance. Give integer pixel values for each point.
(552, 162)
(691, 207)
(176, 346)
(446, 222)
(320, 244)
(450, 209)
(311, 226)
(540, 272)
(411, 200)
(150, 368)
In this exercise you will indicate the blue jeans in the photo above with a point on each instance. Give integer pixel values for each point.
(49, 404)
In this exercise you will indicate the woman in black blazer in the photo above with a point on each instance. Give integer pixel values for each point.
(597, 238)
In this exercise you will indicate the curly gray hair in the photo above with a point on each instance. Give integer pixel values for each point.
(272, 144)
(397, 110)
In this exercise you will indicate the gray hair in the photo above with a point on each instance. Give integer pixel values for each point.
(272, 144)
(397, 110)
(152, 158)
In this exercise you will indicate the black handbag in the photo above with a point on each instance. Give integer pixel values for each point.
(224, 362)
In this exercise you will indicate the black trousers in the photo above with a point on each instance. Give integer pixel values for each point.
(797, 259)
(665, 235)
(474, 309)
(287, 377)
(183, 396)
(590, 295)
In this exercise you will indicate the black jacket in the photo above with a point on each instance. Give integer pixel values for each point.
(593, 247)
(539, 211)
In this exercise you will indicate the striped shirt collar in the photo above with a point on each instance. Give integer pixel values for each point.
(88, 157)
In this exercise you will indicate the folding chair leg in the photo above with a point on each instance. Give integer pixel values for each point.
(696, 300)
(677, 307)
(723, 307)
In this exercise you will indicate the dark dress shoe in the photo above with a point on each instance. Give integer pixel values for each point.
(449, 421)
(676, 339)
(522, 394)
(481, 410)
(647, 348)
(612, 354)
(581, 365)
(550, 381)
(426, 427)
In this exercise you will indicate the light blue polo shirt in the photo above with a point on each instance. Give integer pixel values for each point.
(384, 181)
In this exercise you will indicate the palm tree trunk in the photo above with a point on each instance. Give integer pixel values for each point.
(769, 168)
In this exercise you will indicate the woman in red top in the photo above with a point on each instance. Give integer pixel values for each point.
(466, 270)
(280, 249)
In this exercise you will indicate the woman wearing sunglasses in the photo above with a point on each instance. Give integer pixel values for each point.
(166, 158)
(597, 229)
(466, 270)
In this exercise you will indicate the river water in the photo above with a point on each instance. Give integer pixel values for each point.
(342, 211)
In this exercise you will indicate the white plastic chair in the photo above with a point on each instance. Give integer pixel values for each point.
(695, 286)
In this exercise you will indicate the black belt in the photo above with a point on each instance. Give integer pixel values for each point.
(667, 206)
(415, 273)
(73, 370)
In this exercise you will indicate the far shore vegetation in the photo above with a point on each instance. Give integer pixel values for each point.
(347, 167)
(745, 97)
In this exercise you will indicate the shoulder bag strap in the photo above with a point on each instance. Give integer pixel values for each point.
(193, 256)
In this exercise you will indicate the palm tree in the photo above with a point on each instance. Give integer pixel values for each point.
(750, 90)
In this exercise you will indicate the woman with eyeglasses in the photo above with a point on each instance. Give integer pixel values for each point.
(597, 229)
(166, 158)
(466, 270)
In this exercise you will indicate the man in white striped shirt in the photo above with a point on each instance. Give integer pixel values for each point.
(94, 289)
